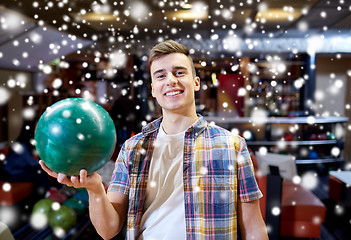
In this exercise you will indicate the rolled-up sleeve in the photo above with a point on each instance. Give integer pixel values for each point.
(120, 180)
(248, 187)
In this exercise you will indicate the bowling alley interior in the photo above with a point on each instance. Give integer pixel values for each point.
(277, 73)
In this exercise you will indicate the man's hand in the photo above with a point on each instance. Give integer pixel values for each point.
(107, 211)
(91, 182)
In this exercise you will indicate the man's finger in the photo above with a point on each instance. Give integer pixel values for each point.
(62, 178)
(47, 170)
(83, 175)
(75, 180)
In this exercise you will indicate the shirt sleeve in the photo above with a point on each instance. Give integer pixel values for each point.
(248, 188)
(120, 177)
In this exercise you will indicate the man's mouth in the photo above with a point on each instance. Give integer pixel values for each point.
(173, 93)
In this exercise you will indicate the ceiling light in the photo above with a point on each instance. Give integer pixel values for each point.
(95, 17)
(196, 11)
(277, 15)
(186, 6)
(187, 15)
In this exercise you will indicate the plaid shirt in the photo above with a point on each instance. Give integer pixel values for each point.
(216, 168)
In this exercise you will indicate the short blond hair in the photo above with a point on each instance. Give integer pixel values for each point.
(168, 47)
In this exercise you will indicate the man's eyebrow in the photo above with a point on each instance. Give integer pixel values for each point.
(180, 67)
(174, 68)
(158, 71)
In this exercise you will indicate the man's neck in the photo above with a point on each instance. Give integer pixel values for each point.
(174, 123)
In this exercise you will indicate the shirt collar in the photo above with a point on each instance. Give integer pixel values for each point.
(196, 129)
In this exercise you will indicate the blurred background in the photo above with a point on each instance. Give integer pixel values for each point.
(275, 72)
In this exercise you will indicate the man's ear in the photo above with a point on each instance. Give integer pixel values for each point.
(152, 91)
(197, 84)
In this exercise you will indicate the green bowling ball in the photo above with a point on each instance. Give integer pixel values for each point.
(41, 212)
(43, 206)
(64, 218)
(75, 134)
(82, 194)
(331, 136)
(78, 205)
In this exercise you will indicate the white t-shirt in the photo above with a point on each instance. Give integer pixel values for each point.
(164, 212)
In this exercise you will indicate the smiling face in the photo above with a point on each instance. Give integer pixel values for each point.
(173, 83)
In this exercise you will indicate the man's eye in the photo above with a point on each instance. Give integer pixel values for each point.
(161, 76)
(180, 73)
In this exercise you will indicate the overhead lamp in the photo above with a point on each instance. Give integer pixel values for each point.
(277, 15)
(195, 11)
(11, 20)
(186, 6)
(95, 17)
(187, 15)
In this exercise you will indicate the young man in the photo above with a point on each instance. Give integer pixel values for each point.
(180, 178)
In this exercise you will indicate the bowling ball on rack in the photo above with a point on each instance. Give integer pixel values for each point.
(288, 136)
(331, 136)
(313, 137)
(63, 219)
(75, 134)
(322, 136)
(43, 206)
(312, 154)
(41, 212)
(55, 195)
(78, 205)
(83, 196)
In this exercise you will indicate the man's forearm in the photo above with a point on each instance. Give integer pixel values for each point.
(103, 215)
(106, 217)
(251, 222)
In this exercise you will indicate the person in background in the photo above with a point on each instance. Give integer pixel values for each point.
(21, 164)
(180, 178)
(124, 116)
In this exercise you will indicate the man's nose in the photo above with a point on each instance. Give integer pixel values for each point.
(171, 79)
